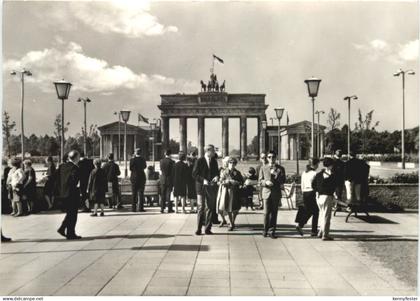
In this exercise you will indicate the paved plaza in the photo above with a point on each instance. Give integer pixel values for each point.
(150, 253)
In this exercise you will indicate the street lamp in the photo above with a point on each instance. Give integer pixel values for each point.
(279, 115)
(22, 74)
(313, 86)
(125, 115)
(318, 145)
(84, 100)
(119, 136)
(349, 99)
(402, 73)
(62, 88)
(153, 128)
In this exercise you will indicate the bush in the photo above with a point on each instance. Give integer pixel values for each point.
(405, 178)
(414, 158)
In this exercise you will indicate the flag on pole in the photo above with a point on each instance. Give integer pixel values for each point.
(142, 118)
(218, 58)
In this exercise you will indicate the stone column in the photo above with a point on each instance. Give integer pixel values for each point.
(262, 134)
(225, 136)
(292, 141)
(297, 151)
(243, 137)
(200, 136)
(165, 133)
(183, 134)
(322, 144)
(100, 147)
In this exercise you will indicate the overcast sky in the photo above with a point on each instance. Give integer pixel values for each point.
(125, 54)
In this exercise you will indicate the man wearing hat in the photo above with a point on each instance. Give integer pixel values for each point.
(206, 175)
(138, 180)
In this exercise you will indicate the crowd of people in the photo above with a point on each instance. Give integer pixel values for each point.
(80, 183)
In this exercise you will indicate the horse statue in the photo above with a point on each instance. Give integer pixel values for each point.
(203, 86)
(222, 87)
(209, 86)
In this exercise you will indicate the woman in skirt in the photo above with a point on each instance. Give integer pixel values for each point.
(97, 188)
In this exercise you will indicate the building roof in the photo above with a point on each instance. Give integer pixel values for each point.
(113, 126)
(300, 127)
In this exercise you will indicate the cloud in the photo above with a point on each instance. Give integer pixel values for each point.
(130, 18)
(394, 53)
(90, 74)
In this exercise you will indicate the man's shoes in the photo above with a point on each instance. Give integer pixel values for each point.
(61, 232)
(171, 211)
(85, 210)
(162, 211)
(102, 214)
(142, 210)
(5, 239)
(314, 234)
(327, 238)
(299, 230)
(265, 234)
(94, 214)
(320, 234)
(198, 232)
(120, 207)
(216, 222)
(222, 224)
(273, 235)
(133, 209)
(208, 232)
(74, 237)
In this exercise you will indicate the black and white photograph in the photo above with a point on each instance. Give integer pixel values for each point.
(210, 148)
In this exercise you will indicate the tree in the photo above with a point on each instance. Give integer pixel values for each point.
(57, 127)
(333, 119)
(365, 126)
(252, 148)
(8, 128)
(174, 146)
(191, 148)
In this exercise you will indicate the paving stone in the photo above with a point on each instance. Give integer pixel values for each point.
(294, 292)
(251, 291)
(208, 291)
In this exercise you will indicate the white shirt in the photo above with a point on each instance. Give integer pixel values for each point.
(15, 177)
(306, 180)
(207, 160)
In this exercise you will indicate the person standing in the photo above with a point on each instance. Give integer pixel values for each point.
(206, 174)
(180, 181)
(68, 177)
(112, 171)
(167, 166)
(97, 187)
(263, 161)
(191, 193)
(138, 180)
(271, 178)
(230, 194)
(29, 187)
(310, 206)
(14, 183)
(338, 171)
(356, 179)
(221, 193)
(49, 184)
(6, 205)
(324, 185)
(85, 167)
(249, 187)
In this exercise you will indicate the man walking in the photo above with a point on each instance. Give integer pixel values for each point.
(85, 167)
(166, 181)
(338, 171)
(263, 161)
(206, 175)
(68, 177)
(271, 178)
(112, 171)
(138, 180)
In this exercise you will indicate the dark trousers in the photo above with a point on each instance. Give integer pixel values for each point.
(116, 194)
(165, 192)
(206, 207)
(138, 195)
(309, 208)
(84, 202)
(271, 208)
(71, 206)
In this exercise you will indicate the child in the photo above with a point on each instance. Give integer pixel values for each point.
(97, 187)
(249, 187)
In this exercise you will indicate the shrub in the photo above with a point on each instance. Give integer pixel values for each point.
(405, 178)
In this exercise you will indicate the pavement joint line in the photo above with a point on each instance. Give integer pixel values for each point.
(195, 262)
(52, 267)
(265, 269)
(125, 264)
(162, 259)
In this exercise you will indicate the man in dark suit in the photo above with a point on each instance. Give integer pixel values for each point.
(68, 177)
(338, 171)
(167, 166)
(138, 180)
(85, 167)
(112, 171)
(272, 177)
(206, 175)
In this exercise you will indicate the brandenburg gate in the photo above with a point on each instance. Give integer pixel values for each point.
(213, 103)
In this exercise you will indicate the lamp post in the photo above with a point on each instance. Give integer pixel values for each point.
(119, 136)
(153, 128)
(402, 73)
(62, 88)
(125, 115)
(313, 86)
(263, 142)
(318, 145)
(349, 99)
(85, 101)
(279, 115)
(22, 74)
